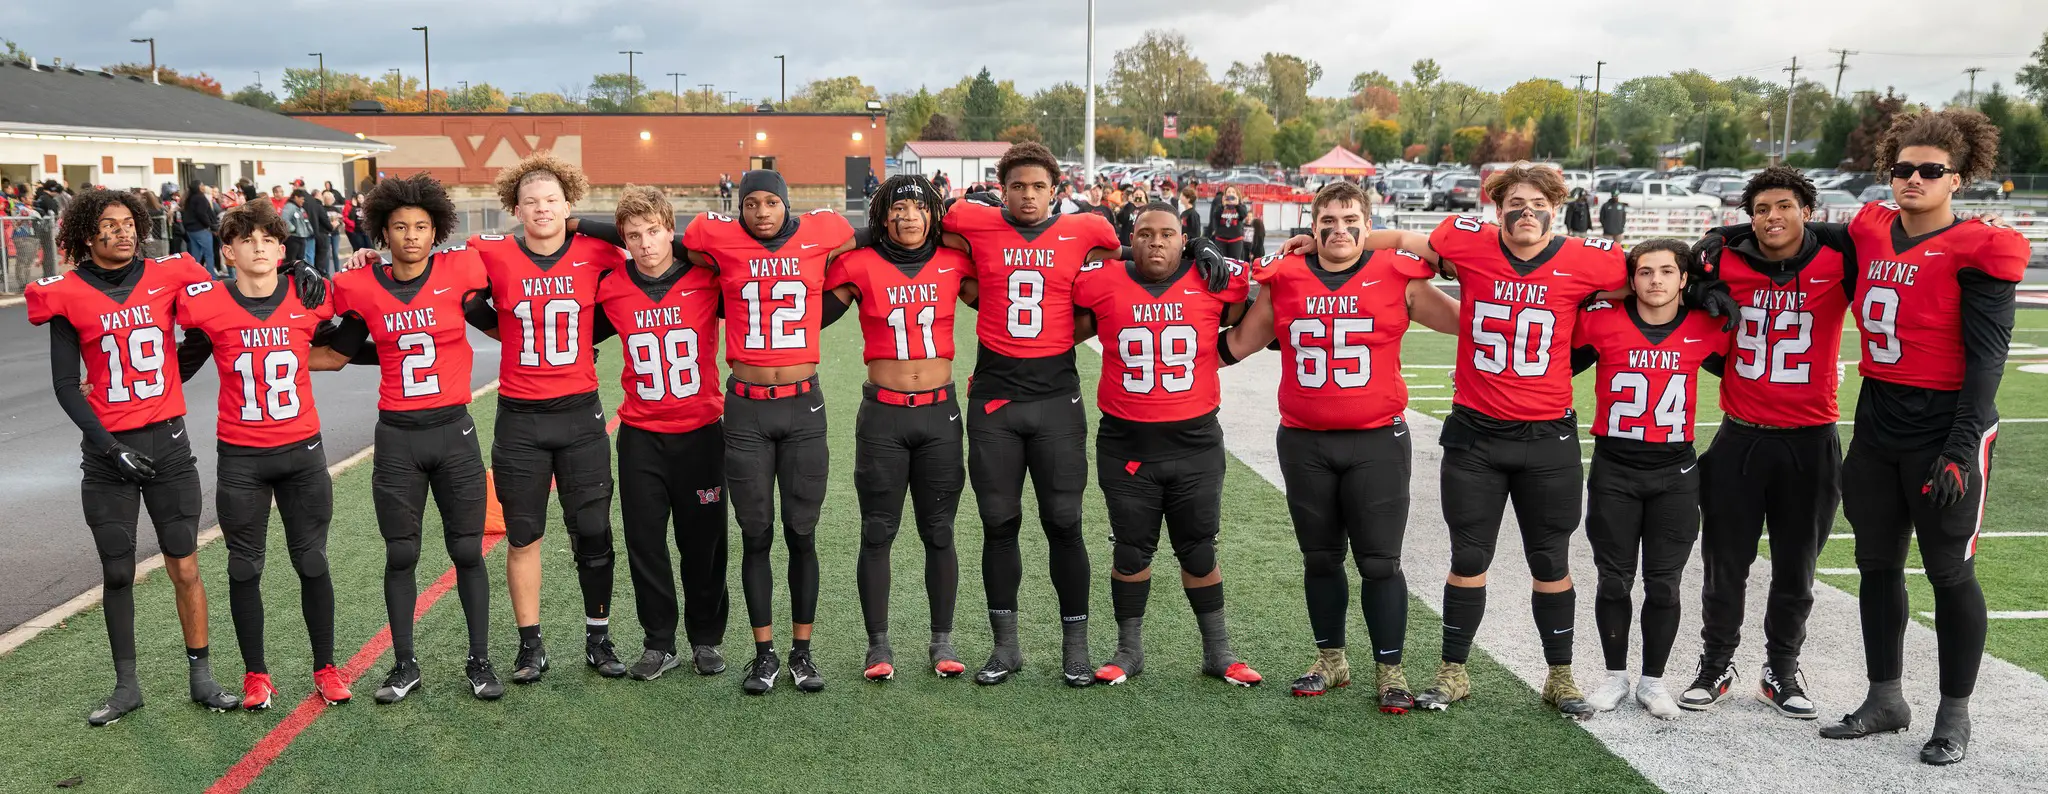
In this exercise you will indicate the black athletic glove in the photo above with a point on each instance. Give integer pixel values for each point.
(1706, 257)
(1947, 482)
(1211, 265)
(133, 465)
(1713, 298)
(985, 198)
(312, 286)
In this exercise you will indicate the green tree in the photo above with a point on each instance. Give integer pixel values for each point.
(254, 96)
(1875, 116)
(1229, 145)
(1726, 146)
(1833, 146)
(306, 91)
(1465, 143)
(14, 51)
(1119, 143)
(1258, 131)
(832, 95)
(1649, 107)
(1058, 110)
(1020, 133)
(2027, 139)
(1295, 143)
(1158, 74)
(546, 102)
(939, 127)
(1532, 98)
(984, 109)
(1372, 79)
(1380, 140)
(200, 81)
(908, 114)
(1195, 143)
(2033, 77)
(1702, 88)
(1425, 72)
(617, 92)
(1642, 151)
(1280, 80)
(1553, 134)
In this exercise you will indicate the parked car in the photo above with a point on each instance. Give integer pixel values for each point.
(1407, 193)
(1577, 180)
(1982, 190)
(1463, 195)
(1665, 194)
(1875, 193)
(1837, 199)
(1850, 183)
(1728, 188)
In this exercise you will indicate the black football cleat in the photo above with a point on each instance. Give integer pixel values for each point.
(483, 681)
(403, 679)
(532, 663)
(601, 656)
(653, 662)
(805, 673)
(761, 674)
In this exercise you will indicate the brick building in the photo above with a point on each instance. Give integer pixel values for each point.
(821, 155)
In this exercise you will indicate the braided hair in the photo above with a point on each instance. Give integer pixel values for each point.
(897, 188)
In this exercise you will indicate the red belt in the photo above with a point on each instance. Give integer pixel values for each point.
(755, 391)
(913, 399)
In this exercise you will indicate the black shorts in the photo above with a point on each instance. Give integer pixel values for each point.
(567, 449)
(411, 458)
(112, 503)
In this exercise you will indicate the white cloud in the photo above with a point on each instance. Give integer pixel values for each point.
(627, 34)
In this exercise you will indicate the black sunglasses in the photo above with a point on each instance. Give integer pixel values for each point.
(1926, 170)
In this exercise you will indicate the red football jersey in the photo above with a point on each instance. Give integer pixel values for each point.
(1908, 302)
(423, 354)
(131, 364)
(545, 314)
(1645, 390)
(1159, 357)
(1027, 275)
(1514, 357)
(671, 346)
(774, 300)
(1340, 344)
(1781, 372)
(266, 388)
(904, 316)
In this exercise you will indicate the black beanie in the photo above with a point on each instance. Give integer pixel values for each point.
(770, 181)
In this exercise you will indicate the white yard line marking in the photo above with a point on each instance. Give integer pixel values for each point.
(2021, 615)
(1854, 572)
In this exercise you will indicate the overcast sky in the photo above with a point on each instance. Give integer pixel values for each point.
(1919, 46)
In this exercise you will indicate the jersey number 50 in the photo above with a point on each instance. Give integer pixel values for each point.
(1490, 349)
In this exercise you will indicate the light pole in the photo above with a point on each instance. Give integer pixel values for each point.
(783, 62)
(323, 78)
(709, 99)
(259, 81)
(632, 89)
(677, 92)
(465, 94)
(151, 41)
(427, 57)
(1088, 106)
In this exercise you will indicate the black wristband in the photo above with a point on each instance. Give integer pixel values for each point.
(1223, 348)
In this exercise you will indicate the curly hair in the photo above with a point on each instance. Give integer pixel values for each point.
(1027, 153)
(1970, 139)
(1547, 179)
(1779, 177)
(418, 190)
(250, 218)
(540, 165)
(81, 221)
(636, 201)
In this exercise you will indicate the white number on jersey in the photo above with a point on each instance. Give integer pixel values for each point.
(1754, 362)
(1027, 291)
(145, 358)
(1881, 324)
(558, 334)
(780, 336)
(279, 374)
(1670, 412)
(419, 355)
(1167, 360)
(925, 317)
(668, 361)
(1319, 354)
(1491, 350)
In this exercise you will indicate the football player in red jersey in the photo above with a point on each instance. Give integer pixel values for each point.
(907, 436)
(1024, 413)
(771, 268)
(260, 336)
(551, 425)
(408, 316)
(1338, 317)
(1777, 457)
(114, 312)
(1161, 453)
(1934, 304)
(1643, 493)
(671, 443)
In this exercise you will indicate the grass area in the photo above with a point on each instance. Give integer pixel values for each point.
(1169, 730)
(2006, 566)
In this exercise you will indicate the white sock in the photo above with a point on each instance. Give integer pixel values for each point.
(1648, 682)
(1617, 674)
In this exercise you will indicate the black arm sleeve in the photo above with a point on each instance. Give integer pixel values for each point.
(1987, 332)
(1584, 356)
(834, 307)
(602, 328)
(350, 336)
(1715, 364)
(477, 309)
(193, 351)
(864, 237)
(64, 378)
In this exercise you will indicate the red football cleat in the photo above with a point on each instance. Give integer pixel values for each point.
(880, 671)
(256, 691)
(1110, 675)
(948, 668)
(328, 685)
(1240, 674)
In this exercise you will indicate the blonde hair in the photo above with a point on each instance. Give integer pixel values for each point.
(540, 165)
(637, 202)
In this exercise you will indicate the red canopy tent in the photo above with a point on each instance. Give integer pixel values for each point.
(1339, 162)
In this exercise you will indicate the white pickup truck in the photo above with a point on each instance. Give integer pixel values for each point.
(1658, 194)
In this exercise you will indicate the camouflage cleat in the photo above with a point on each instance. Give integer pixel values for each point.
(1393, 687)
(1562, 691)
(1330, 671)
(1452, 685)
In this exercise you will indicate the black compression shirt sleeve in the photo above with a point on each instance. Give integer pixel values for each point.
(477, 309)
(863, 237)
(602, 328)
(1584, 356)
(348, 339)
(834, 308)
(1987, 334)
(193, 351)
(1715, 363)
(64, 378)
(600, 230)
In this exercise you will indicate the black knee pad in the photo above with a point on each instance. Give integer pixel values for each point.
(312, 564)
(756, 542)
(117, 573)
(937, 538)
(1952, 573)
(799, 541)
(1199, 560)
(1614, 588)
(1129, 560)
(1656, 593)
(1548, 565)
(877, 534)
(401, 554)
(1326, 562)
(591, 549)
(245, 569)
(466, 551)
(1379, 568)
(1471, 561)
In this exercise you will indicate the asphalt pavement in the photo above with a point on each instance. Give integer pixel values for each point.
(46, 554)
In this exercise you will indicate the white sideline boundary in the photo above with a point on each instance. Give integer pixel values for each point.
(56, 616)
(1743, 745)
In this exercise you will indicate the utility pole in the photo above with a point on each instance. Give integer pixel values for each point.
(632, 88)
(1595, 165)
(1578, 107)
(678, 91)
(259, 81)
(709, 98)
(783, 62)
(427, 57)
(151, 41)
(1088, 107)
(1972, 72)
(1791, 83)
(1841, 65)
(465, 94)
(323, 79)
(728, 96)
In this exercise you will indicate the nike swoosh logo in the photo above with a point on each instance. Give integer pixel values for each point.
(1688, 469)
(1817, 281)
(179, 434)
(441, 290)
(1560, 274)
(157, 290)
(597, 416)
(1076, 399)
(1934, 253)
(469, 431)
(686, 293)
(315, 445)
(1064, 238)
(807, 246)
(1369, 283)
(953, 417)
(578, 264)
(1190, 292)
(1400, 434)
(1689, 340)
(1560, 631)
(815, 408)
(297, 316)
(1564, 438)
(1389, 653)
(945, 270)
